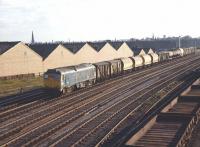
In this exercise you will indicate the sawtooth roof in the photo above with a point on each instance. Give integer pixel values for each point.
(5, 46)
(133, 47)
(116, 44)
(74, 47)
(97, 45)
(43, 49)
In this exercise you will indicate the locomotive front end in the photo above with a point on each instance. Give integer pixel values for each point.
(52, 80)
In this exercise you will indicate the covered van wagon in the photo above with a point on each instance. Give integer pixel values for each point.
(103, 70)
(115, 67)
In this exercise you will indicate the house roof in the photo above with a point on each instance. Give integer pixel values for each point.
(43, 49)
(116, 44)
(5, 46)
(74, 46)
(97, 45)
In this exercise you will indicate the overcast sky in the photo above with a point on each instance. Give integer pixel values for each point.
(97, 19)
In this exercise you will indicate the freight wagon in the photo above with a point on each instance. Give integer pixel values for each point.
(127, 64)
(163, 56)
(138, 61)
(176, 53)
(154, 57)
(66, 79)
(115, 67)
(146, 59)
(103, 70)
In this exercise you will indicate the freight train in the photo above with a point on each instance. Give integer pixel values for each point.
(67, 79)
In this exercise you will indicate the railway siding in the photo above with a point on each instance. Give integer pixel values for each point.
(81, 138)
(174, 125)
(16, 128)
(47, 123)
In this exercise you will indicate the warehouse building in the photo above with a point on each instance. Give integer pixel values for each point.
(83, 53)
(136, 50)
(151, 51)
(105, 51)
(148, 50)
(125, 51)
(116, 44)
(74, 48)
(58, 55)
(51, 55)
(16, 58)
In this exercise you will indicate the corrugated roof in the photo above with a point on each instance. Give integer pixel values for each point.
(43, 49)
(74, 46)
(5, 46)
(116, 44)
(97, 45)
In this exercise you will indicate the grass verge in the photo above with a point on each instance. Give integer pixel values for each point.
(13, 86)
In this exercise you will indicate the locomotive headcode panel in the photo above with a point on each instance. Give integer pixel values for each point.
(52, 79)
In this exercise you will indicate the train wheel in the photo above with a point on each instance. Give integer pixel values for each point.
(94, 81)
(63, 91)
(69, 90)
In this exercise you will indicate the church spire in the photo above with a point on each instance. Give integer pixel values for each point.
(32, 39)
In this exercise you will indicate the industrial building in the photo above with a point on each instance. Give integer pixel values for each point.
(125, 51)
(105, 51)
(137, 51)
(17, 58)
(122, 48)
(85, 54)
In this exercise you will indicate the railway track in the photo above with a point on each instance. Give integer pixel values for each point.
(120, 131)
(62, 120)
(8, 103)
(88, 133)
(75, 98)
(16, 126)
(19, 98)
(171, 125)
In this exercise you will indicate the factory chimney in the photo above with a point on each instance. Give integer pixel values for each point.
(32, 38)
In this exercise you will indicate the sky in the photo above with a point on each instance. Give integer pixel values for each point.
(88, 20)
